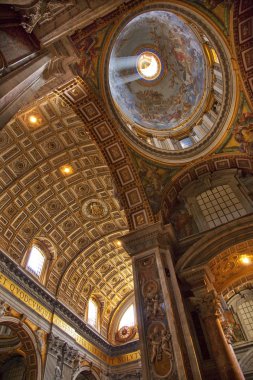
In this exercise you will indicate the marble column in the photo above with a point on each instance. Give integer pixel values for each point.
(209, 306)
(164, 350)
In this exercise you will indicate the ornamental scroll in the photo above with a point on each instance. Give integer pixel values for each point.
(158, 337)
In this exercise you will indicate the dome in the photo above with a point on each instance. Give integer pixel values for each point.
(157, 71)
(167, 82)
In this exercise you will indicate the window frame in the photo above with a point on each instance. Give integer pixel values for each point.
(95, 302)
(210, 181)
(29, 268)
(47, 260)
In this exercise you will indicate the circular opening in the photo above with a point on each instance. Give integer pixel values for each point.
(148, 65)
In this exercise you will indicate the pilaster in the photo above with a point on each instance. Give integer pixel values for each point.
(163, 348)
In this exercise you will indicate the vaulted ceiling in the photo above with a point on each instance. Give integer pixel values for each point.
(40, 203)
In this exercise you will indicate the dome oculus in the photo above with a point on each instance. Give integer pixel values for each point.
(148, 65)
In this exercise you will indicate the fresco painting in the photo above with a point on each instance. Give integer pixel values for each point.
(174, 96)
(154, 179)
(241, 137)
(182, 220)
(89, 47)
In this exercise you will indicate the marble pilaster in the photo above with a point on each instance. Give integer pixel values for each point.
(163, 348)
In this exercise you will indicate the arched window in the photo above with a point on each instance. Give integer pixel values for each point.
(93, 313)
(128, 318)
(36, 261)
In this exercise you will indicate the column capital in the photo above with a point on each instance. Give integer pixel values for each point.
(144, 239)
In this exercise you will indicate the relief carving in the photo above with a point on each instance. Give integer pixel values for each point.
(158, 341)
(160, 349)
(228, 332)
(43, 10)
(209, 305)
(152, 302)
(40, 336)
(3, 308)
(58, 368)
(77, 364)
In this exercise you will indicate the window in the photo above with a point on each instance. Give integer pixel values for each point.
(35, 261)
(128, 318)
(93, 313)
(186, 142)
(246, 311)
(220, 205)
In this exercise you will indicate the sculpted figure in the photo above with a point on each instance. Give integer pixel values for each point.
(149, 308)
(155, 342)
(156, 306)
(229, 332)
(57, 371)
(77, 365)
(40, 338)
(3, 308)
(165, 343)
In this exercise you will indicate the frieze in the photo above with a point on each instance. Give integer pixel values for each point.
(150, 237)
(20, 285)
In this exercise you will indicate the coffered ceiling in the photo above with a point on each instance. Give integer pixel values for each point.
(76, 216)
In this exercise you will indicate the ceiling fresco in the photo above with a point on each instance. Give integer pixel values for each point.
(172, 97)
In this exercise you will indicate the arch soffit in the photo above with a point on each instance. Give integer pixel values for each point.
(216, 241)
(14, 323)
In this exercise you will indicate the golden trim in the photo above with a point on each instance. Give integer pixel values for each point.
(25, 297)
(21, 295)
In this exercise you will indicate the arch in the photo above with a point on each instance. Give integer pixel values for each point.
(87, 370)
(29, 345)
(117, 316)
(216, 241)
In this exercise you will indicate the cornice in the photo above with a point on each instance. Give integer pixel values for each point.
(150, 237)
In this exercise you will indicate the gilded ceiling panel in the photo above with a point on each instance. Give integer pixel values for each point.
(75, 216)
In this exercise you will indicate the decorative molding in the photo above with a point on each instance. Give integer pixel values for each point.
(50, 304)
(153, 236)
